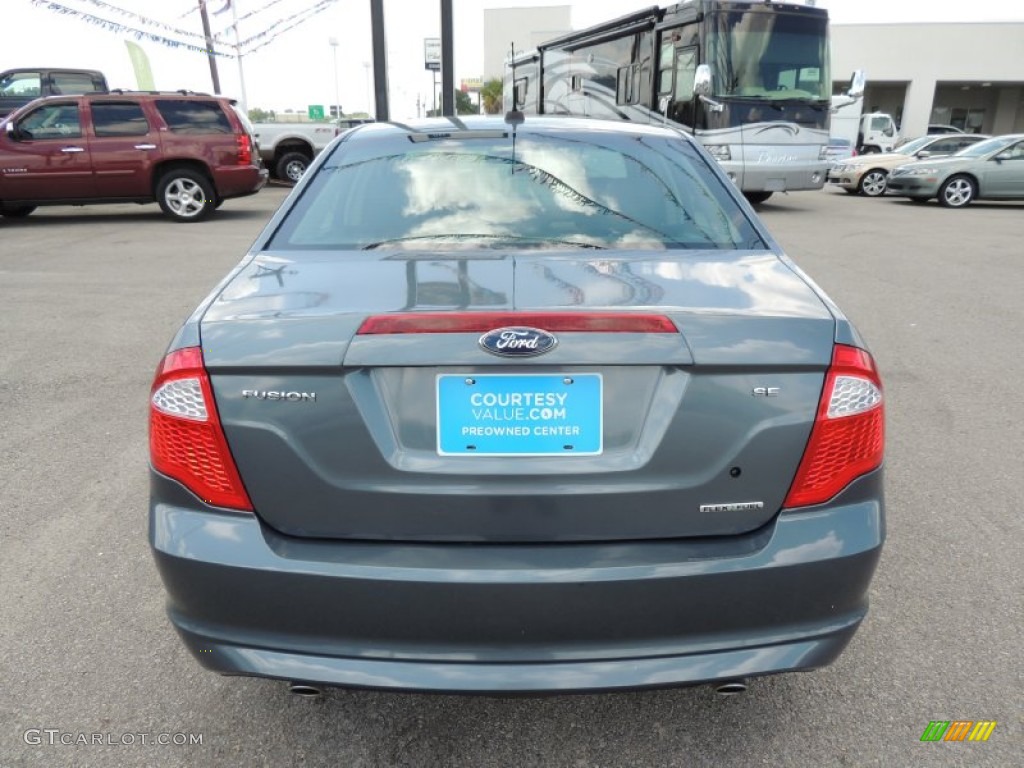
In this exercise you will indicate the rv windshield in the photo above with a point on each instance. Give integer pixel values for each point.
(764, 54)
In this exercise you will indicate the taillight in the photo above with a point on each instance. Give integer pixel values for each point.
(186, 440)
(479, 322)
(244, 148)
(848, 438)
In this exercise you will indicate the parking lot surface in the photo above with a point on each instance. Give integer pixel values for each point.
(89, 299)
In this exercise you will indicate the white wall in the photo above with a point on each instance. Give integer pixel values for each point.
(927, 54)
(526, 27)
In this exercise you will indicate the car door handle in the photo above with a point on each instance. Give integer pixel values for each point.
(145, 146)
(72, 150)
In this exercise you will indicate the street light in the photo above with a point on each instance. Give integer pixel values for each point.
(369, 101)
(337, 97)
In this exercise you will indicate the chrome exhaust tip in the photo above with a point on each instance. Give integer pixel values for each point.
(731, 688)
(304, 690)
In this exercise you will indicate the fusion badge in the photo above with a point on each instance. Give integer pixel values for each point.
(518, 341)
(741, 506)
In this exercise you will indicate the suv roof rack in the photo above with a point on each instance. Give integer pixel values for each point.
(128, 91)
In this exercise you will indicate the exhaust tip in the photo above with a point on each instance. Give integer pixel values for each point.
(731, 688)
(304, 691)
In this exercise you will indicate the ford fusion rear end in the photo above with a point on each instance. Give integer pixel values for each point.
(545, 417)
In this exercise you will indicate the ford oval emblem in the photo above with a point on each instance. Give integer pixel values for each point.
(518, 341)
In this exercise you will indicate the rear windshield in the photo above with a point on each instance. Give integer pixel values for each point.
(187, 116)
(478, 190)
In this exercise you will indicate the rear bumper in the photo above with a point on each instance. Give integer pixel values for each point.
(517, 618)
(240, 181)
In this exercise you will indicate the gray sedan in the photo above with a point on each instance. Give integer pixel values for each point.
(522, 406)
(992, 170)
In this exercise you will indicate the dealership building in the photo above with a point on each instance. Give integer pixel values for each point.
(970, 75)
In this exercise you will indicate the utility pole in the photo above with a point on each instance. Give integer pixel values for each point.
(210, 53)
(380, 60)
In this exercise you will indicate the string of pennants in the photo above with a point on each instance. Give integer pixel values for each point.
(134, 29)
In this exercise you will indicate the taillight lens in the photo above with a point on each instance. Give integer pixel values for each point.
(848, 438)
(479, 322)
(244, 149)
(186, 439)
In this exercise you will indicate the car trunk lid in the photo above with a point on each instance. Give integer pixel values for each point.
(693, 431)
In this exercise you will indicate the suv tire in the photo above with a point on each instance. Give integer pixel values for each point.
(185, 195)
(291, 166)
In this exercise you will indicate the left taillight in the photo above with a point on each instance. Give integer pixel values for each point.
(244, 148)
(186, 439)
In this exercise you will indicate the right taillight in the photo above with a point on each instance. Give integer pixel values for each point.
(244, 148)
(186, 440)
(848, 437)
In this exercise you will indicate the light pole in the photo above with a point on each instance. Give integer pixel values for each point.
(238, 55)
(369, 101)
(337, 97)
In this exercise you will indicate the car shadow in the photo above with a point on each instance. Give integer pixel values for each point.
(48, 218)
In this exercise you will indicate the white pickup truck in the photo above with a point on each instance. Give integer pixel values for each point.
(287, 149)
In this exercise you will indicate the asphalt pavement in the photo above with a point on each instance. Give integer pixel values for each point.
(89, 299)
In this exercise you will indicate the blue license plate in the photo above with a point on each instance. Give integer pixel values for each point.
(519, 414)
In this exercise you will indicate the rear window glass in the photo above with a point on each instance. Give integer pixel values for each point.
(187, 116)
(71, 82)
(600, 190)
(21, 85)
(119, 119)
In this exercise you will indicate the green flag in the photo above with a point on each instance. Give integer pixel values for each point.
(140, 63)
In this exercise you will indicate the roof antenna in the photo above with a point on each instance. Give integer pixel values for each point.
(514, 117)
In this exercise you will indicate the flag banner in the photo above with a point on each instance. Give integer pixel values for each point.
(140, 63)
(139, 18)
(124, 29)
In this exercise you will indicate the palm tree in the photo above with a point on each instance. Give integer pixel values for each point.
(491, 95)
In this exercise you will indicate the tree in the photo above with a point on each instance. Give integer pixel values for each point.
(463, 106)
(491, 95)
(258, 115)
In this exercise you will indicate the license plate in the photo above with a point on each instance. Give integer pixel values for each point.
(519, 414)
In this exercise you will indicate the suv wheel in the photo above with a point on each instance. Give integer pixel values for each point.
(291, 166)
(18, 212)
(185, 195)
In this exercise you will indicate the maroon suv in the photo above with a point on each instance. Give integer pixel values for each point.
(189, 152)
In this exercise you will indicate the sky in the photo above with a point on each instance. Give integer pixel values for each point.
(298, 67)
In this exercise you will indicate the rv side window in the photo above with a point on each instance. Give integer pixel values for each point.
(622, 84)
(627, 85)
(686, 71)
(665, 69)
(521, 88)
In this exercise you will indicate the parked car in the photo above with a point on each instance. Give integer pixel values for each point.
(989, 170)
(188, 152)
(937, 129)
(499, 408)
(866, 175)
(287, 149)
(839, 151)
(20, 86)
